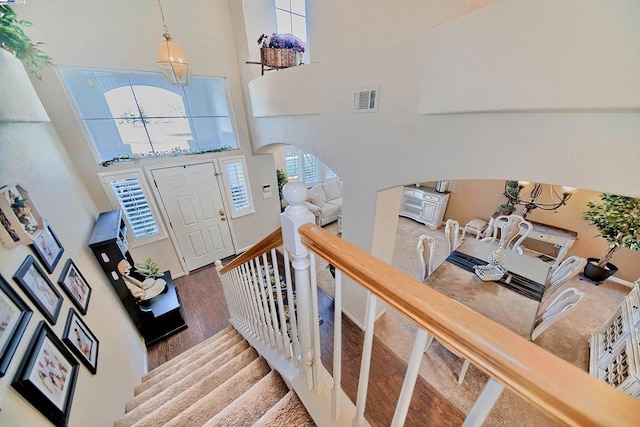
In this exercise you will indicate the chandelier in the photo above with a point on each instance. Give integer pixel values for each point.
(533, 198)
(171, 59)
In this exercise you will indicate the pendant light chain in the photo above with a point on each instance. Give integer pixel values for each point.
(164, 24)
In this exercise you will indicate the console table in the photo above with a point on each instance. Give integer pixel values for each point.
(156, 318)
(559, 237)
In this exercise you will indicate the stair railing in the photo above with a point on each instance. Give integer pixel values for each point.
(554, 386)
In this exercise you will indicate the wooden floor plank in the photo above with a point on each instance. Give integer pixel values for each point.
(206, 314)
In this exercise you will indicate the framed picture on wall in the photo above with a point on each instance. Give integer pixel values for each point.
(75, 286)
(35, 283)
(48, 248)
(47, 376)
(81, 341)
(14, 317)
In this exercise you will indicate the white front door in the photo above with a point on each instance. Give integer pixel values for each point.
(193, 202)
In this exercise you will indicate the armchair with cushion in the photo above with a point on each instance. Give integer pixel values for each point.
(325, 201)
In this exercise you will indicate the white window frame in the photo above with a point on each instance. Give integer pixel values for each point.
(235, 213)
(107, 177)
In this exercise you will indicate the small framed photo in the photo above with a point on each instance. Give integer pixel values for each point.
(39, 288)
(47, 376)
(14, 317)
(75, 286)
(48, 248)
(81, 341)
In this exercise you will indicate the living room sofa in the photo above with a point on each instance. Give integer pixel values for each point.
(325, 201)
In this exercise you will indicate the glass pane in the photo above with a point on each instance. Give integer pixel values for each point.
(121, 103)
(299, 25)
(283, 4)
(207, 97)
(298, 6)
(213, 133)
(116, 138)
(87, 89)
(156, 97)
(169, 134)
(283, 22)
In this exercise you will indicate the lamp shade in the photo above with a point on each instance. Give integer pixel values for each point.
(173, 62)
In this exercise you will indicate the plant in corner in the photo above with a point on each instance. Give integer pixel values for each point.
(14, 40)
(617, 218)
(511, 192)
(283, 178)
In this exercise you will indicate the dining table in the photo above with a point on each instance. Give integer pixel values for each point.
(513, 301)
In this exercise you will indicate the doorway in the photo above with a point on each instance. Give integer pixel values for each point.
(192, 199)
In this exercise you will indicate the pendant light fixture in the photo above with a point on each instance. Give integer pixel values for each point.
(171, 59)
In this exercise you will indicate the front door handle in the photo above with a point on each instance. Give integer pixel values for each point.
(222, 214)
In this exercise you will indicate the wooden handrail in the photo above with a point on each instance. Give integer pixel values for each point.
(554, 386)
(273, 240)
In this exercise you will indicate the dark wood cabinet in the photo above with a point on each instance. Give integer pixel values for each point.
(155, 319)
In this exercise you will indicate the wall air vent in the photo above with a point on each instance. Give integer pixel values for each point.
(365, 100)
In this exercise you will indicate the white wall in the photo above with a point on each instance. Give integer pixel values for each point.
(32, 155)
(378, 43)
(121, 34)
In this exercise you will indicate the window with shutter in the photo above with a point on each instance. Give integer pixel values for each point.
(329, 175)
(311, 170)
(306, 168)
(237, 186)
(127, 190)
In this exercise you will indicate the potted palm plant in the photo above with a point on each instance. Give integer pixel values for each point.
(617, 218)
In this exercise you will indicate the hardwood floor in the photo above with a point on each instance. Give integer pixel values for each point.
(206, 313)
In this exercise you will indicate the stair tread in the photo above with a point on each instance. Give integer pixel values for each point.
(226, 333)
(182, 368)
(252, 404)
(198, 404)
(221, 367)
(289, 411)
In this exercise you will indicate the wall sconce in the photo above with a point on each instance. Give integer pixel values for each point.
(532, 200)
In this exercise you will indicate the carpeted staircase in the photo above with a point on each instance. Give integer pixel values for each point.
(220, 382)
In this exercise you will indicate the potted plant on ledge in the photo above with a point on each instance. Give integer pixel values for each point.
(618, 220)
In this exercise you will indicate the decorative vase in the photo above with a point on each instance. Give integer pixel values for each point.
(279, 58)
(598, 274)
(497, 257)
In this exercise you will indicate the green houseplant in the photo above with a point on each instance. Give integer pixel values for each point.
(511, 191)
(13, 39)
(617, 218)
(283, 178)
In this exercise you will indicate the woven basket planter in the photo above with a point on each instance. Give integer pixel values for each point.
(279, 58)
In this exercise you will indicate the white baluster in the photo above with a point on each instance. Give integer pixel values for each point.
(284, 335)
(292, 218)
(365, 363)
(272, 306)
(262, 302)
(292, 308)
(480, 410)
(423, 339)
(245, 307)
(256, 304)
(337, 347)
(315, 318)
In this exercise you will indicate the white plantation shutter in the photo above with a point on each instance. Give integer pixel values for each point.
(329, 175)
(237, 186)
(292, 164)
(311, 170)
(127, 190)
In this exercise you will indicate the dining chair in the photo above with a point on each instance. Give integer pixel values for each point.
(561, 306)
(452, 235)
(426, 247)
(510, 231)
(567, 269)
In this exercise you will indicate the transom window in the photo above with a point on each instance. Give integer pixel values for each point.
(132, 115)
(291, 18)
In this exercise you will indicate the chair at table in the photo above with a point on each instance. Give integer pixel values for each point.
(569, 268)
(510, 231)
(426, 247)
(452, 235)
(561, 306)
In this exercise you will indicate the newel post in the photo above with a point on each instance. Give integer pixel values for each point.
(291, 219)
